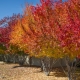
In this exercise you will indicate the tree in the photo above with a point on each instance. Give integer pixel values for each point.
(47, 30)
(7, 25)
(69, 34)
(53, 29)
(39, 33)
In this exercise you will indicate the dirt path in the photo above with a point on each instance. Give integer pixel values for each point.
(16, 72)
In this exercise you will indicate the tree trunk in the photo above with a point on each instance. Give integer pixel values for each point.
(28, 60)
(71, 69)
(46, 65)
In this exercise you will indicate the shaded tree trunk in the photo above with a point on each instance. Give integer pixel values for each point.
(71, 67)
(46, 65)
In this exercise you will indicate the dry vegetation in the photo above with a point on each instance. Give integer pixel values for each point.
(16, 72)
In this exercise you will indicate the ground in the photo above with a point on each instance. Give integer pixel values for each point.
(16, 72)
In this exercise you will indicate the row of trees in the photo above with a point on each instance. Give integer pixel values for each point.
(49, 29)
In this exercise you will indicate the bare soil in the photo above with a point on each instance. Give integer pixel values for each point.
(16, 72)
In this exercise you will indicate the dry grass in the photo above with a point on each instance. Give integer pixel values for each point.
(16, 72)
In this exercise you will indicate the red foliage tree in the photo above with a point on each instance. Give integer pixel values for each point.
(69, 34)
(6, 25)
(40, 38)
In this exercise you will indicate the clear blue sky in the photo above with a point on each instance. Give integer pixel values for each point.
(8, 7)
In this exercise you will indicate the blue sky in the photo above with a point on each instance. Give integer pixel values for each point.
(8, 7)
